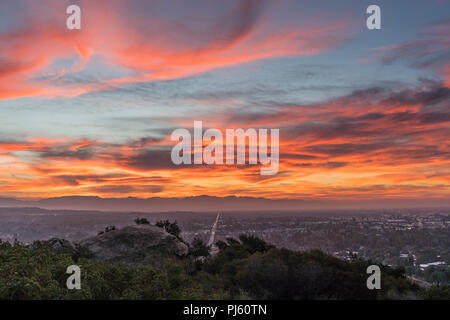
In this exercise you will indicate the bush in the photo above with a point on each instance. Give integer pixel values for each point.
(248, 268)
(199, 248)
(35, 272)
(141, 221)
(170, 227)
(107, 229)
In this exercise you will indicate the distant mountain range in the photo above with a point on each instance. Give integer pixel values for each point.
(208, 203)
(200, 203)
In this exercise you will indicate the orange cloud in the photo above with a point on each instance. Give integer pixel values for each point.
(31, 55)
(392, 149)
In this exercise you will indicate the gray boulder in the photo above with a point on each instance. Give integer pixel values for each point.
(135, 244)
(61, 246)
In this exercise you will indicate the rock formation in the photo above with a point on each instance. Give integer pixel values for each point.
(135, 244)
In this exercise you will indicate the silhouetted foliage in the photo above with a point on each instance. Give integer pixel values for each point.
(35, 272)
(253, 244)
(199, 248)
(251, 268)
(141, 221)
(107, 229)
(170, 227)
(248, 268)
(437, 293)
(81, 252)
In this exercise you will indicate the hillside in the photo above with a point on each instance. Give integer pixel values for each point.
(247, 268)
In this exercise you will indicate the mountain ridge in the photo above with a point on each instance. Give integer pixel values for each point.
(208, 203)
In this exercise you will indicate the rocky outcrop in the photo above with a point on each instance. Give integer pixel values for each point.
(135, 244)
(60, 246)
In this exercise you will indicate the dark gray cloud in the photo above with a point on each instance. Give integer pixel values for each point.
(341, 149)
(126, 189)
(57, 152)
(430, 96)
(430, 50)
(150, 160)
(75, 180)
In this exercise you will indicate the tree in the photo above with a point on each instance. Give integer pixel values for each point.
(254, 244)
(199, 248)
(107, 229)
(248, 243)
(141, 221)
(437, 293)
(170, 227)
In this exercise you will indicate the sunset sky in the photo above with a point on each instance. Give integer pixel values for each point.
(362, 114)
